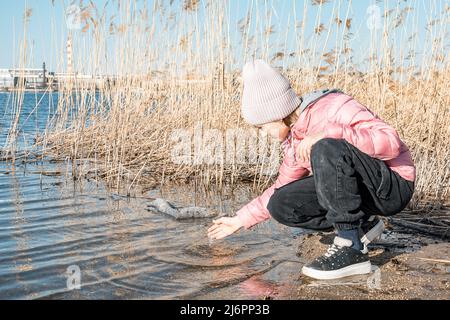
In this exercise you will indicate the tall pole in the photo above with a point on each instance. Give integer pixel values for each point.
(44, 74)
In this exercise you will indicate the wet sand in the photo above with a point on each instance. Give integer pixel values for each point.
(410, 267)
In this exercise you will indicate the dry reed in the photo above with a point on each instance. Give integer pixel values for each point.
(128, 137)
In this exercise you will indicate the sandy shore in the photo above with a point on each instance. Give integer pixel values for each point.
(410, 267)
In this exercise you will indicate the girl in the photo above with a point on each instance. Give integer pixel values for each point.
(342, 167)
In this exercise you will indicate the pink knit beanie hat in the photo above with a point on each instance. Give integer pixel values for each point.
(267, 95)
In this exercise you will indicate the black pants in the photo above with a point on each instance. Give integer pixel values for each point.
(347, 187)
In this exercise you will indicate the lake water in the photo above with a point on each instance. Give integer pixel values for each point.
(54, 232)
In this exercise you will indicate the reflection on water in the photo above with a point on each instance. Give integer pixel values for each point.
(48, 223)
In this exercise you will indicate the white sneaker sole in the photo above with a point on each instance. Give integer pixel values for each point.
(354, 269)
(371, 235)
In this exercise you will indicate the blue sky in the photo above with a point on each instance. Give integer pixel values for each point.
(47, 26)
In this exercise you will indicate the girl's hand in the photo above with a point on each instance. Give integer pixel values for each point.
(304, 147)
(223, 227)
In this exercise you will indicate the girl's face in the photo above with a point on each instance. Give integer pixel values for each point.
(276, 129)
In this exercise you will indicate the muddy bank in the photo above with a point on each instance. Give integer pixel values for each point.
(410, 267)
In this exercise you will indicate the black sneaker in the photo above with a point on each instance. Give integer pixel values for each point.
(340, 260)
(371, 230)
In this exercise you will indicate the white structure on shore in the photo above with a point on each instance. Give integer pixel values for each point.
(26, 77)
(6, 79)
(40, 79)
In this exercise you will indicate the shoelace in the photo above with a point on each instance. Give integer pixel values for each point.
(332, 250)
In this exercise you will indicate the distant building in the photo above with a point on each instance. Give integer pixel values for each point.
(6, 79)
(23, 77)
(42, 79)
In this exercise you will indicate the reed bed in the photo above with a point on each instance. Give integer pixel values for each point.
(122, 132)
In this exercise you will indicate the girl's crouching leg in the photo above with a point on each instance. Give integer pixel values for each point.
(296, 205)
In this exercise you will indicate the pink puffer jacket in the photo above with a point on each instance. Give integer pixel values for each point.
(341, 117)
